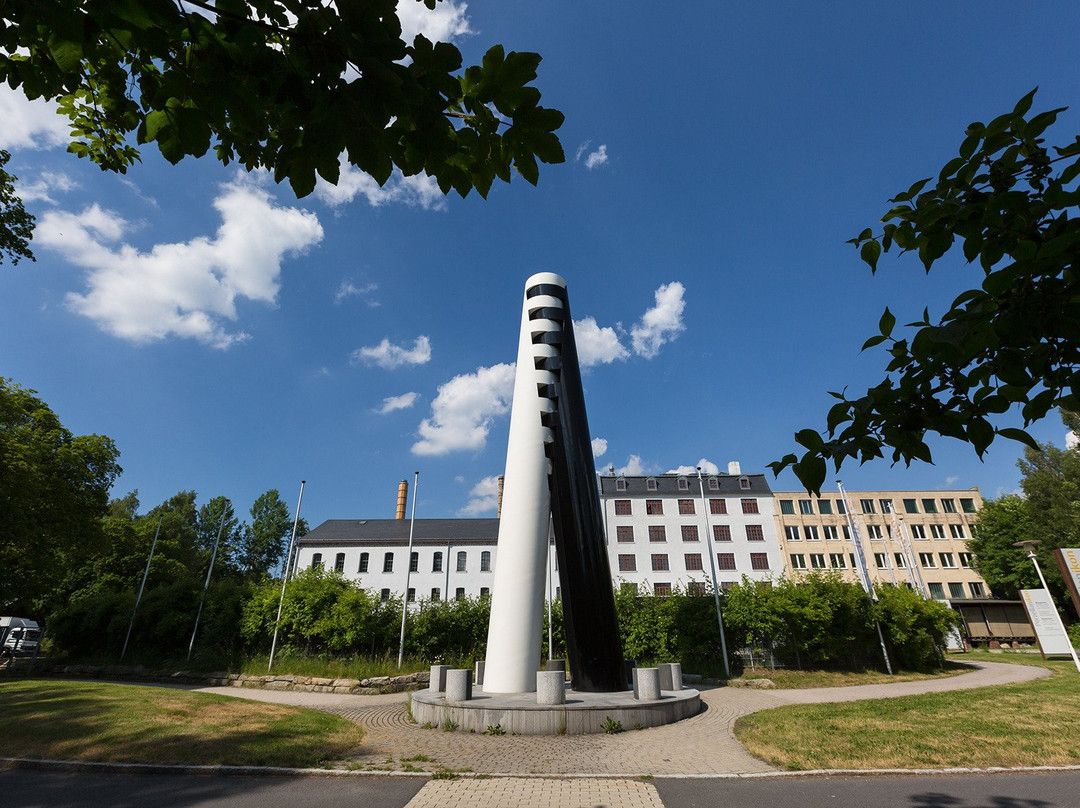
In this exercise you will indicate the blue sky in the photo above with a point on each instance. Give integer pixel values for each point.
(231, 338)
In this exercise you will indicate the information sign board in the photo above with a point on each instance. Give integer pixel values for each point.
(1053, 641)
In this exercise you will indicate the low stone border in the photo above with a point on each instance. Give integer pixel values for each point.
(306, 684)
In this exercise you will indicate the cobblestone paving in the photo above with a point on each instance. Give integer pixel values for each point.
(517, 792)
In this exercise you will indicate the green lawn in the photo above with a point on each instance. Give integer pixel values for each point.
(98, 721)
(794, 679)
(1030, 724)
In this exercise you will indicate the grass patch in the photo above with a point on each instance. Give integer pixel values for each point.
(797, 680)
(1027, 724)
(100, 721)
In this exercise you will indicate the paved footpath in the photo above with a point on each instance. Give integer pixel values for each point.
(590, 769)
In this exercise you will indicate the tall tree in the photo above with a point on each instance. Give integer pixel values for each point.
(53, 491)
(16, 225)
(1012, 344)
(266, 539)
(207, 527)
(1005, 568)
(307, 83)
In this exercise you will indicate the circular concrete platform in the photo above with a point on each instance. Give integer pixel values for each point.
(583, 713)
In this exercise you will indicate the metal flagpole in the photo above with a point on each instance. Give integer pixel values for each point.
(138, 599)
(905, 545)
(202, 600)
(864, 573)
(551, 651)
(285, 575)
(712, 570)
(408, 572)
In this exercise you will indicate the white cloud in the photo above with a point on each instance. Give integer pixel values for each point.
(349, 289)
(444, 23)
(633, 468)
(597, 158)
(599, 447)
(596, 345)
(389, 356)
(1071, 440)
(394, 403)
(419, 190)
(484, 498)
(185, 289)
(662, 323)
(463, 410)
(30, 124)
(707, 467)
(951, 480)
(47, 183)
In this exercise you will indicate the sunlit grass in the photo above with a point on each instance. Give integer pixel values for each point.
(794, 679)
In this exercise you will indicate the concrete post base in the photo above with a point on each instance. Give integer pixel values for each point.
(459, 684)
(551, 687)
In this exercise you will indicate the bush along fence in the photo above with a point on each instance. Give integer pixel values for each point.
(818, 621)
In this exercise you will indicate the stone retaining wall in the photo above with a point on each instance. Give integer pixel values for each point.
(308, 684)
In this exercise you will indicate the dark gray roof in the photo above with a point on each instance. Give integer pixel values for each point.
(667, 485)
(388, 531)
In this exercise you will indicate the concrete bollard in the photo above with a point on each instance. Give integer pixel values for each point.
(647, 684)
(551, 687)
(479, 673)
(458, 684)
(633, 680)
(437, 684)
(556, 665)
(670, 675)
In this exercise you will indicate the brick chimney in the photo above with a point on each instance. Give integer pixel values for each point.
(402, 498)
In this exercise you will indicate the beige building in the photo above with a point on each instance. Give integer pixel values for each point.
(917, 538)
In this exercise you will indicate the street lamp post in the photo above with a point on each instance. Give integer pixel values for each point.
(1030, 546)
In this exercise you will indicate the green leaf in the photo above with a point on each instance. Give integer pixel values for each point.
(870, 253)
(1019, 435)
(886, 323)
(877, 339)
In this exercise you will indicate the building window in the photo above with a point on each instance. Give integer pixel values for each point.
(485, 592)
(806, 507)
(867, 505)
(693, 561)
(937, 531)
(436, 593)
(414, 562)
(461, 559)
(926, 560)
(316, 561)
(886, 505)
(798, 561)
(411, 595)
(654, 507)
(874, 532)
(817, 561)
(721, 533)
(929, 506)
(830, 532)
(947, 561)
(686, 507)
(657, 533)
(459, 593)
(824, 507)
(837, 561)
(957, 531)
(388, 562)
(436, 562)
(363, 563)
(754, 533)
(662, 590)
(967, 506)
(881, 560)
(840, 507)
(847, 533)
(810, 532)
(624, 533)
(339, 562)
(949, 506)
(749, 506)
(622, 507)
(620, 484)
(718, 506)
(690, 533)
(659, 562)
(485, 561)
(714, 484)
(918, 532)
(696, 589)
(965, 559)
(759, 561)
(384, 595)
(936, 591)
(791, 533)
(725, 561)
(901, 561)
(627, 562)
(650, 484)
(744, 483)
(910, 506)
(787, 506)
(684, 484)
(627, 587)
(977, 589)
(956, 591)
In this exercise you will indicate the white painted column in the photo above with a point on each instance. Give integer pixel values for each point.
(517, 598)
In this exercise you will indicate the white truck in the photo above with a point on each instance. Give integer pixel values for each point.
(19, 636)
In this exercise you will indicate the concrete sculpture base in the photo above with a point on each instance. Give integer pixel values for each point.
(581, 714)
